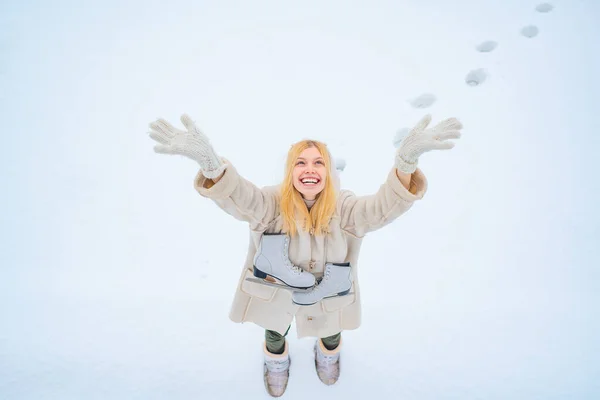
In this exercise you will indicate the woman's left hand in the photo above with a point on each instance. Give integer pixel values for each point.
(420, 139)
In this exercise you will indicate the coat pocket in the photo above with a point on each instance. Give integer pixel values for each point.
(337, 303)
(257, 290)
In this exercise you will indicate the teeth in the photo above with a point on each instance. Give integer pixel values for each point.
(309, 180)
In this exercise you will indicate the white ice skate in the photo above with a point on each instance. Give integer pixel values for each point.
(337, 281)
(272, 261)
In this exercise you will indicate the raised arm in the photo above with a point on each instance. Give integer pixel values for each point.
(363, 214)
(239, 197)
(217, 179)
(191, 143)
(405, 183)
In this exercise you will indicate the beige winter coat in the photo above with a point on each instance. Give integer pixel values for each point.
(355, 216)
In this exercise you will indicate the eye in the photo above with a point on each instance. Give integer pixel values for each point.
(300, 162)
(320, 162)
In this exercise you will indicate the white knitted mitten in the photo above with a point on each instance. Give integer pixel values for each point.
(191, 143)
(420, 140)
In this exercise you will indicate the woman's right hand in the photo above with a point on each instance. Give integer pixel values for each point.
(191, 143)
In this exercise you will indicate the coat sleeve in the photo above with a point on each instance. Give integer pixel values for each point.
(241, 198)
(362, 214)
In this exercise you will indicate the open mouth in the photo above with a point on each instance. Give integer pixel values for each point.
(310, 181)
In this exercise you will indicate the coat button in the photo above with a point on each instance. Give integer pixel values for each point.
(312, 231)
(311, 264)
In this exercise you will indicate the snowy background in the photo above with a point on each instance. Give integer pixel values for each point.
(116, 277)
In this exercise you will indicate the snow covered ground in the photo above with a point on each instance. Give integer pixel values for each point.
(116, 276)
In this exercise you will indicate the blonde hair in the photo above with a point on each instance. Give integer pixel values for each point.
(291, 200)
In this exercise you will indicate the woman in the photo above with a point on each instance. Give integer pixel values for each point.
(319, 229)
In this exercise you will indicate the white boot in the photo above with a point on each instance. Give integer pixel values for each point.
(272, 259)
(276, 371)
(327, 363)
(337, 281)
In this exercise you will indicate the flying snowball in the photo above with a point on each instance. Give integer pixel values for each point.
(476, 77)
(530, 31)
(423, 101)
(544, 7)
(340, 164)
(400, 135)
(487, 46)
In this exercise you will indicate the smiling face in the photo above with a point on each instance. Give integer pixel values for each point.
(309, 173)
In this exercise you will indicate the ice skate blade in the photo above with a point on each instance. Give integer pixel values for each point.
(345, 293)
(263, 275)
(277, 285)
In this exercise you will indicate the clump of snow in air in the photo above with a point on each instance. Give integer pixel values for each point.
(544, 7)
(476, 77)
(340, 164)
(423, 101)
(400, 135)
(487, 46)
(530, 31)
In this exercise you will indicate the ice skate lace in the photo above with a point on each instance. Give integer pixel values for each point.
(295, 269)
(325, 277)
